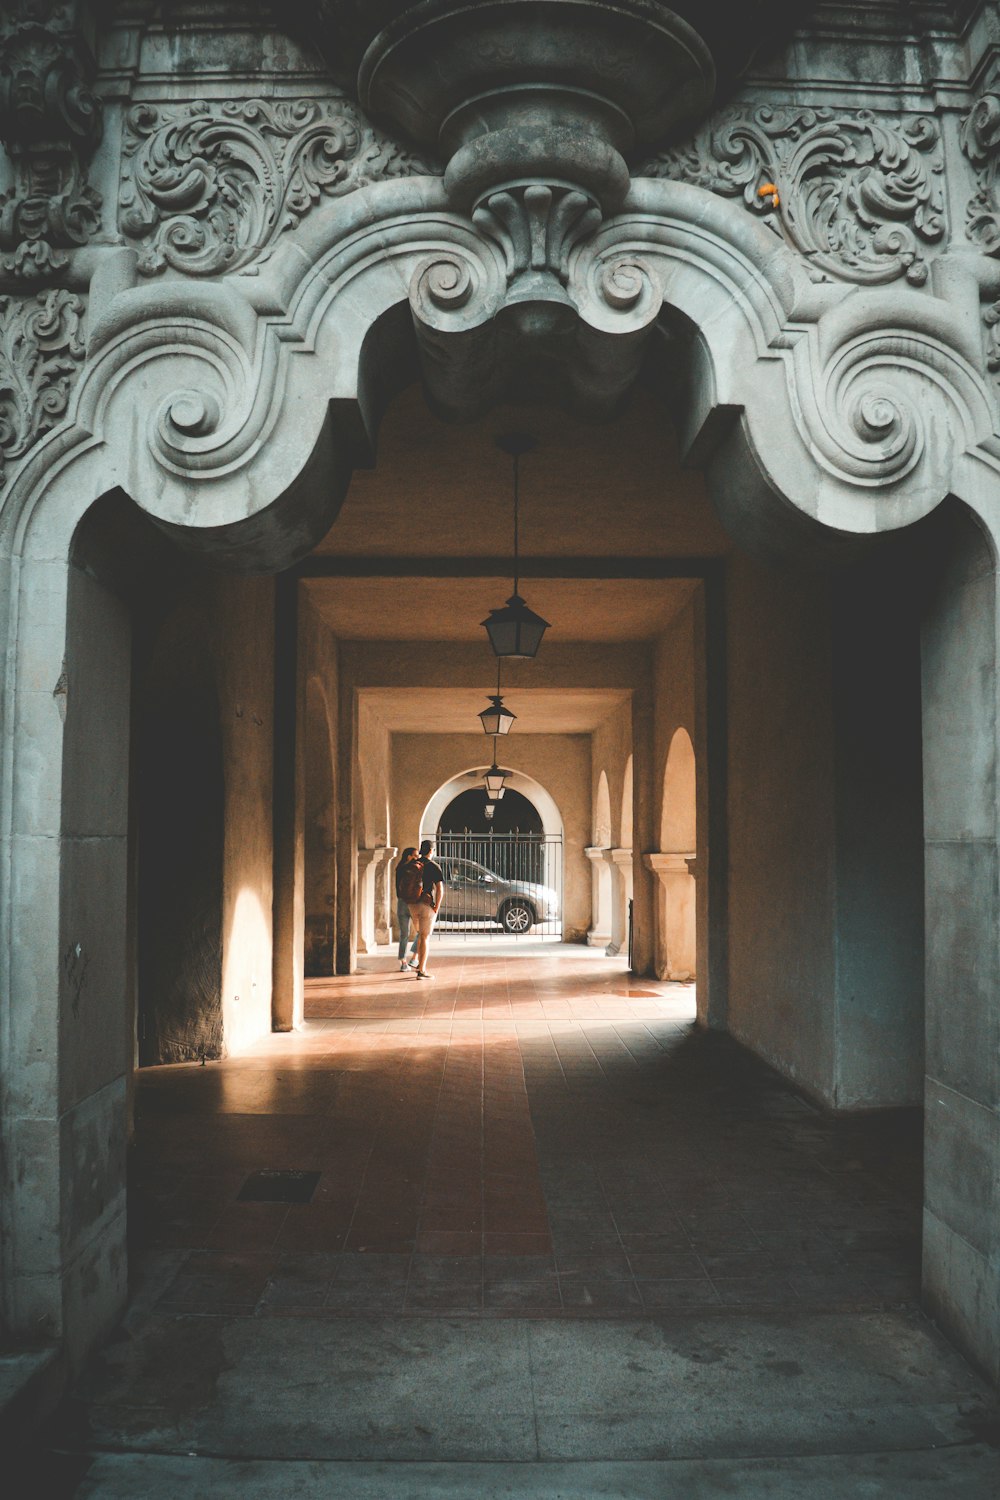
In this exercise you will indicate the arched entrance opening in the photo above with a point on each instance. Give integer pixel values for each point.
(503, 875)
(812, 841)
(514, 813)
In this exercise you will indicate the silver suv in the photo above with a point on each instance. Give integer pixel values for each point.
(472, 893)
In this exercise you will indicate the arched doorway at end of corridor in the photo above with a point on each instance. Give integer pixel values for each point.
(503, 870)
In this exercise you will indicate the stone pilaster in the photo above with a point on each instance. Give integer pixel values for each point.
(676, 952)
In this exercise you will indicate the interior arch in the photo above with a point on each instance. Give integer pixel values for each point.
(602, 813)
(532, 790)
(678, 830)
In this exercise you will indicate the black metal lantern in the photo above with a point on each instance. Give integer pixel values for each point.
(489, 810)
(515, 630)
(494, 779)
(497, 719)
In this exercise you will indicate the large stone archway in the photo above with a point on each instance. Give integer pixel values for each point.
(829, 402)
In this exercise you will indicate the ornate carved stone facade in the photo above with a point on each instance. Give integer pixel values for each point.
(50, 122)
(795, 257)
(981, 144)
(858, 193)
(41, 351)
(208, 188)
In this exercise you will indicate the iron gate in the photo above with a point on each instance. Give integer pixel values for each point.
(501, 884)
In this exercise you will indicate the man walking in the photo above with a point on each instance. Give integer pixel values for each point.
(424, 912)
(408, 888)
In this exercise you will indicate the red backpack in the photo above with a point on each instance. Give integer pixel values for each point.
(411, 881)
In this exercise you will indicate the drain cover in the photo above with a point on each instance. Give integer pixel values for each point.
(278, 1187)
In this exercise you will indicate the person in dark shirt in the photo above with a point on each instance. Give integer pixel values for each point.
(403, 916)
(424, 912)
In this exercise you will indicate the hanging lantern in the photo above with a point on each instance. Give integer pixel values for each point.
(490, 809)
(494, 781)
(497, 719)
(515, 630)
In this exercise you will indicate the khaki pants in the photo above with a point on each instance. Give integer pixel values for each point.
(423, 918)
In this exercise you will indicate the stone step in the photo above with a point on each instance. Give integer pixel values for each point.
(967, 1473)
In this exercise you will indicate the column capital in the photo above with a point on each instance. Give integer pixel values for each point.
(598, 853)
(664, 864)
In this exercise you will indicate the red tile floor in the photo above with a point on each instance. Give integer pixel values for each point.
(541, 1136)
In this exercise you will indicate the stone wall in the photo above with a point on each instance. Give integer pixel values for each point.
(203, 822)
(962, 1100)
(320, 789)
(825, 857)
(782, 859)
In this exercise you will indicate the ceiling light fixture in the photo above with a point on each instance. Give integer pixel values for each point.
(515, 630)
(494, 779)
(497, 719)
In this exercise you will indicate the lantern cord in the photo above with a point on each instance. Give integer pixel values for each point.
(517, 460)
(499, 660)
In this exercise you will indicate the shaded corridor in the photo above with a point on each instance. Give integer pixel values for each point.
(556, 1242)
(540, 1136)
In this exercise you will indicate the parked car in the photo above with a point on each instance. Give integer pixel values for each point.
(472, 893)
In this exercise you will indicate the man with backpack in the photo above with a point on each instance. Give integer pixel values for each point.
(426, 905)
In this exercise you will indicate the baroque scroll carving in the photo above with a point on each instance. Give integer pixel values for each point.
(41, 352)
(858, 194)
(981, 144)
(208, 188)
(49, 122)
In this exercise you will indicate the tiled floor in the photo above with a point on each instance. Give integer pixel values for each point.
(525, 1137)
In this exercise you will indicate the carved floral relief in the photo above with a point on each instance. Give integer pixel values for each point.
(858, 194)
(49, 122)
(208, 188)
(41, 353)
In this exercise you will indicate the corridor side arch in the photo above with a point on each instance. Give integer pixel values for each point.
(599, 934)
(674, 862)
(823, 414)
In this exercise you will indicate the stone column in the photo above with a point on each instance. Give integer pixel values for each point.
(599, 932)
(676, 928)
(621, 894)
(644, 835)
(383, 898)
(367, 865)
(346, 866)
(288, 940)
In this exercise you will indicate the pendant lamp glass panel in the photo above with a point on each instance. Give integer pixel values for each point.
(515, 630)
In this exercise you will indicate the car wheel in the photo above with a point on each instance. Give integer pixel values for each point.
(516, 917)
